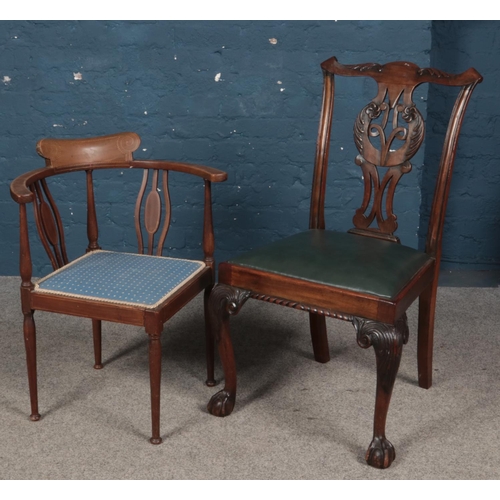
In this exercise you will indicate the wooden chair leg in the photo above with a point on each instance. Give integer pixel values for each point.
(210, 342)
(155, 379)
(387, 341)
(225, 301)
(426, 313)
(319, 337)
(96, 331)
(30, 345)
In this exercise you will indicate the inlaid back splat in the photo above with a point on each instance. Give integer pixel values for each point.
(49, 224)
(90, 151)
(106, 150)
(152, 212)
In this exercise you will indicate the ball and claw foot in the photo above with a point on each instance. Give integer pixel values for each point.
(210, 382)
(380, 453)
(221, 404)
(156, 440)
(35, 417)
(98, 367)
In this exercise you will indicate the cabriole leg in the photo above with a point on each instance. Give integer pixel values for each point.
(387, 341)
(30, 345)
(225, 301)
(96, 332)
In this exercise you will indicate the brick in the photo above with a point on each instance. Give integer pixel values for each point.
(168, 70)
(468, 240)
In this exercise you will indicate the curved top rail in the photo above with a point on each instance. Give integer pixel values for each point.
(402, 73)
(104, 149)
(20, 186)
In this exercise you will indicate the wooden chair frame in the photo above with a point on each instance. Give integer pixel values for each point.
(379, 322)
(89, 155)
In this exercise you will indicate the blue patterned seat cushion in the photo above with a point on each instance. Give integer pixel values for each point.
(122, 278)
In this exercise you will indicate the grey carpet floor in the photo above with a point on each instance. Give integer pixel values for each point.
(294, 418)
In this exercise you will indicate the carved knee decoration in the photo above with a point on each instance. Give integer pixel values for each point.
(387, 341)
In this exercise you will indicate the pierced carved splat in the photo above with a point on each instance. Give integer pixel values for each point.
(396, 81)
(49, 224)
(153, 212)
(387, 132)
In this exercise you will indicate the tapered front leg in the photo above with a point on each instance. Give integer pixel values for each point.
(155, 379)
(96, 333)
(387, 341)
(210, 342)
(225, 301)
(30, 345)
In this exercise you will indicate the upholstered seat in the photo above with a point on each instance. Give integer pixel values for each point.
(343, 260)
(121, 278)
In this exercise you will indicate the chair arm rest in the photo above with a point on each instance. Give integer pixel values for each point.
(19, 189)
(207, 173)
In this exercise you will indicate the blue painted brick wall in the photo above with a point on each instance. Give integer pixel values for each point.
(258, 122)
(471, 238)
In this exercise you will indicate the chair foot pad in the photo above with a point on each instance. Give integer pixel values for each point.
(210, 383)
(221, 404)
(98, 367)
(424, 384)
(35, 417)
(156, 440)
(380, 453)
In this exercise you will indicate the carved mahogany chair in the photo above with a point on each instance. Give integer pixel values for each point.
(143, 289)
(365, 275)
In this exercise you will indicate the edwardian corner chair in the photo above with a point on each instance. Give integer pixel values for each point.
(135, 289)
(364, 276)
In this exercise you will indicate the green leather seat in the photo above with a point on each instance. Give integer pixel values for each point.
(343, 260)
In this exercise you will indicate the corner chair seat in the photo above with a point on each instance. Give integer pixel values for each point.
(123, 278)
